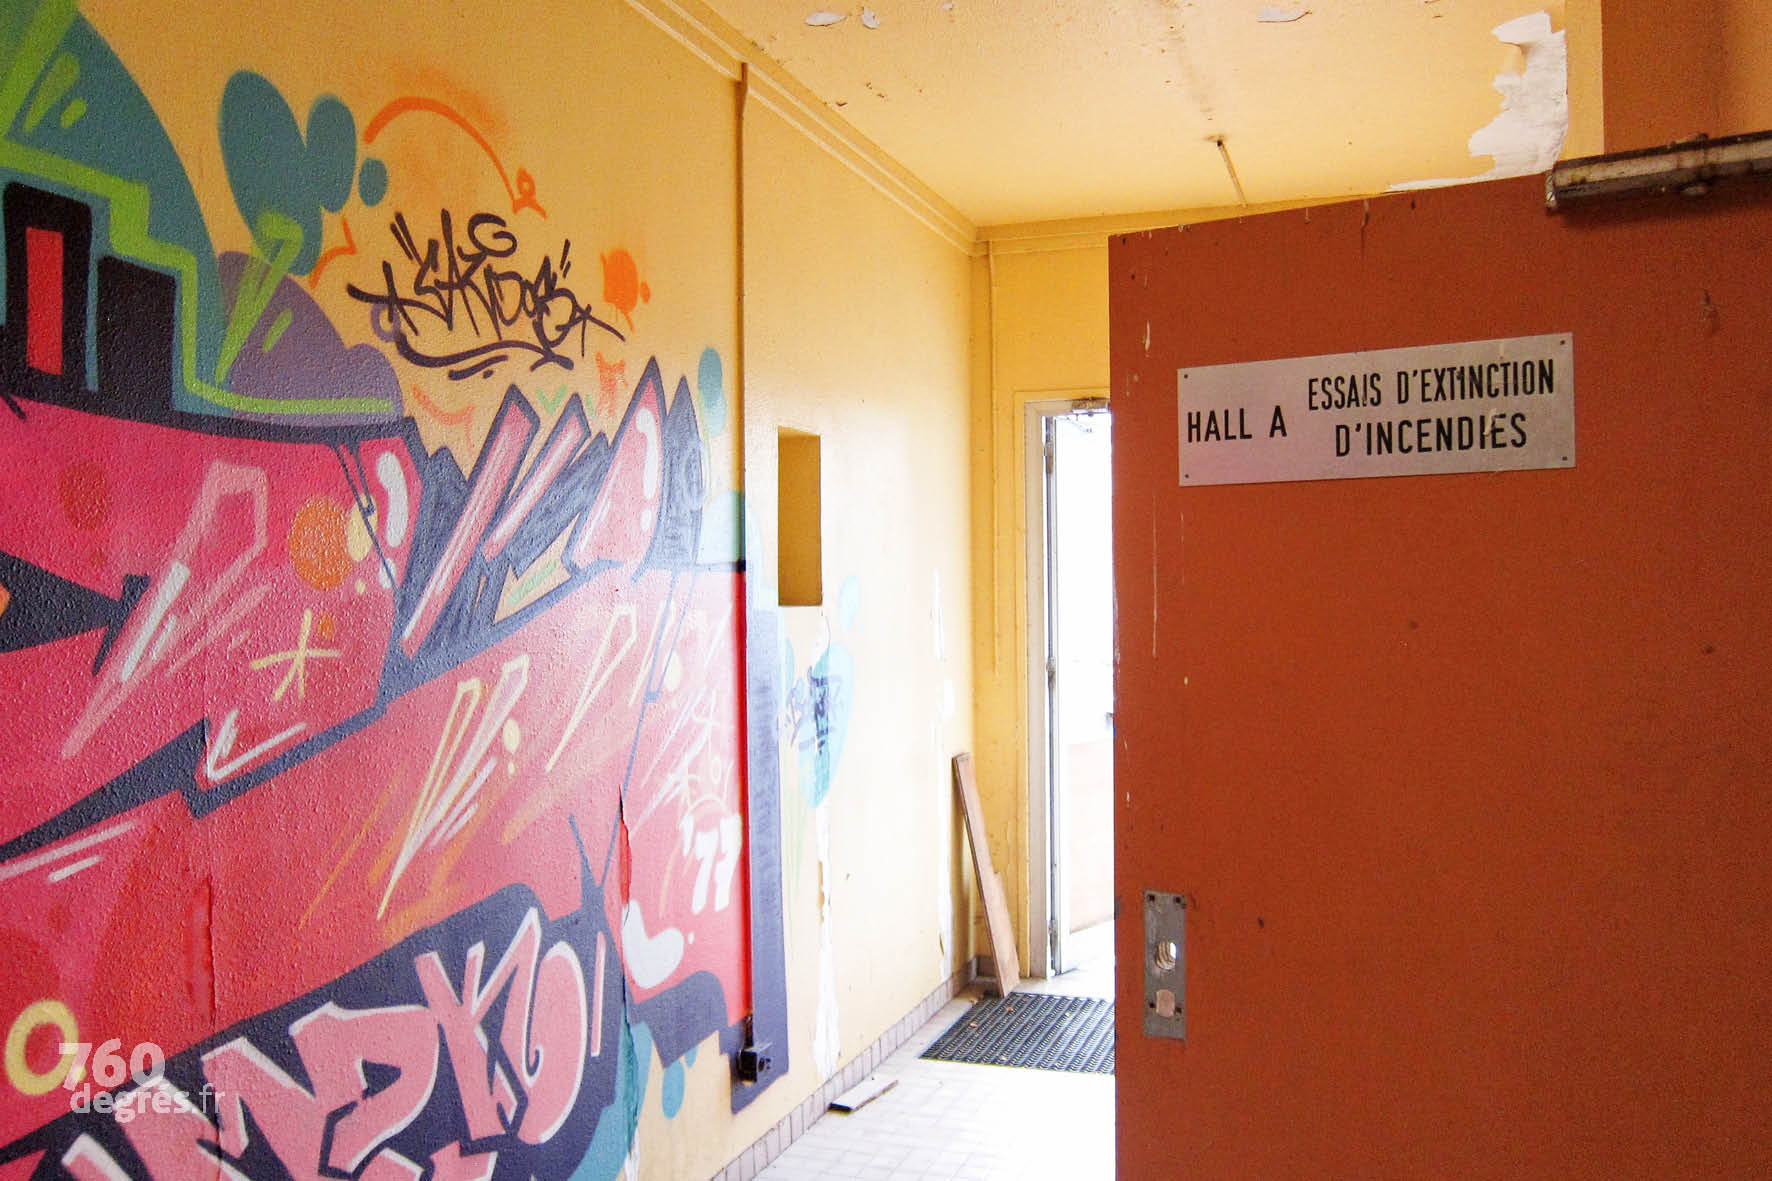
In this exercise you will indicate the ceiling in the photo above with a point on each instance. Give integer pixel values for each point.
(1020, 111)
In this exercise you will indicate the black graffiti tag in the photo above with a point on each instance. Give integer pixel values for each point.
(459, 288)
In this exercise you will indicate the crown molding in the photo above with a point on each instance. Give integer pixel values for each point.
(707, 36)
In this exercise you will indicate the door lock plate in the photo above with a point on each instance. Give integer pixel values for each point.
(1165, 964)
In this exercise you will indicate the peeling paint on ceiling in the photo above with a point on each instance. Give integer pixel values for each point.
(1528, 134)
(1056, 109)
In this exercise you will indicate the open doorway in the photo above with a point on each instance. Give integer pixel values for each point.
(1070, 687)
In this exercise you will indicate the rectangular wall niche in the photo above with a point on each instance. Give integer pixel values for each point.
(800, 538)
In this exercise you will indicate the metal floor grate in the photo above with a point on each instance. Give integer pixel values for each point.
(1035, 1031)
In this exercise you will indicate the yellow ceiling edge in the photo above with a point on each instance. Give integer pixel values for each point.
(1084, 233)
(703, 33)
(778, 93)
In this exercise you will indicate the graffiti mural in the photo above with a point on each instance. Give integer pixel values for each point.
(373, 633)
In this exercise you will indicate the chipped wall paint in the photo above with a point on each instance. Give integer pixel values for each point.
(814, 725)
(818, 706)
(827, 1034)
(1527, 136)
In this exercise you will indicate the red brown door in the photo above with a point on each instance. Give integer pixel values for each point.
(1467, 777)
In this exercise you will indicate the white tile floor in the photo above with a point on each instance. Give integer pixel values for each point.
(956, 1120)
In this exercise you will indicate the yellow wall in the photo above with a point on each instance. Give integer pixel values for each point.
(799, 499)
(1587, 124)
(1663, 69)
(1046, 331)
(1675, 69)
(1747, 67)
(856, 331)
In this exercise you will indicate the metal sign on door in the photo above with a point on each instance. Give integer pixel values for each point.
(1477, 406)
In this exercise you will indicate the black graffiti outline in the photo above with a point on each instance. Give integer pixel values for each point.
(451, 279)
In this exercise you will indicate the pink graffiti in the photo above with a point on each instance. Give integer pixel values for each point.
(627, 754)
(164, 637)
(173, 1139)
(620, 529)
(548, 1056)
(498, 465)
(342, 1126)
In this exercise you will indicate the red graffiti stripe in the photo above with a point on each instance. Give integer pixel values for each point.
(43, 322)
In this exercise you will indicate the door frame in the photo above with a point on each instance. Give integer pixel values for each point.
(1045, 939)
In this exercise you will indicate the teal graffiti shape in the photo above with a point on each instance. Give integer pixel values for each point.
(819, 706)
(710, 383)
(614, 1136)
(282, 185)
(372, 182)
(273, 169)
(721, 540)
(672, 1087)
(849, 603)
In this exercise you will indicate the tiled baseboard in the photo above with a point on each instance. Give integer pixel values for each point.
(775, 1141)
